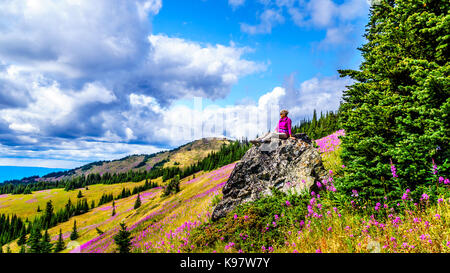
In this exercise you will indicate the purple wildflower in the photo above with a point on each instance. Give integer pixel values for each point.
(393, 170)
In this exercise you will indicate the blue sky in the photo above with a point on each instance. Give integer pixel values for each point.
(82, 80)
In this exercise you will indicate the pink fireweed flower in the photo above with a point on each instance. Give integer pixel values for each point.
(319, 184)
(318, 250)
(330, 228)
(405, 196)
(437, 216)
(245, 217)
(235, 216)
(355, 193)
(446, 181)
(288, 203)
(377, 206)
(424, 197)
(393, 170)
(397, 221)
(343, 166)
(440, 200)
(229, 245)
(434, 167)
(441, 179)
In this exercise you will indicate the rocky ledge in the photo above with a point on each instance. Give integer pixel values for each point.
(292, 164)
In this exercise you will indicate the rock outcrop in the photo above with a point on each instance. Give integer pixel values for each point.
(283, 164)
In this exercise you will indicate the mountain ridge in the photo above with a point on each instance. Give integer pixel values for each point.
(187, 153)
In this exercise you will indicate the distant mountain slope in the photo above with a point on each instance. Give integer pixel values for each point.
(182, 156)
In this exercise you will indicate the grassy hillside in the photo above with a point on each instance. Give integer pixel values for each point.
(25, 205)
(179, 213)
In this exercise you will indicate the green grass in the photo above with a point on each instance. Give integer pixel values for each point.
(332, 161)
(25, 205)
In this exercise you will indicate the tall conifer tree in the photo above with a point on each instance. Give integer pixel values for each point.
(398, 107)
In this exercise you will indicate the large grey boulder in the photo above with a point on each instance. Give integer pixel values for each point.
(288, 165)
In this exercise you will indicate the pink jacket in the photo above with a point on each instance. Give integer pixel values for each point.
(284, 126)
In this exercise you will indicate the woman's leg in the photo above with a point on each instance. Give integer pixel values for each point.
(283, 136)
(271, 135)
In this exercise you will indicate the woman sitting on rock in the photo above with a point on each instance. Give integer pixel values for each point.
(283, 130)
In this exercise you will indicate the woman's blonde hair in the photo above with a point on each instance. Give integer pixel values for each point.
(284, 112)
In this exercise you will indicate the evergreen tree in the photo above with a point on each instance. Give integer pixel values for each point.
(38, 209)
(23, 237)
(173, 186)
(34, 240)
(113, 209)
(46, 246)
(137, 204)
(80, 195)
(398, 108)
(60, 243)
(48, 215)
(69, 209)
(27, 190)
(99, 231)
(23, 249)
(123, 239)
(74, 235)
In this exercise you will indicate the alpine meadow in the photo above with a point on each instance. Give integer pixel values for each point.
(354, 159)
